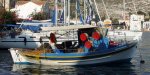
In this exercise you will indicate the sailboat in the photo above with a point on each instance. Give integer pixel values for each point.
(30, 35)
(22, 37)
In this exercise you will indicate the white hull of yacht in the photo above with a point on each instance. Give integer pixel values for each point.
(127, 34)
(33, 40)
(21, 43)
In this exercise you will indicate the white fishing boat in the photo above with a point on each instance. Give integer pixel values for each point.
(92, 47)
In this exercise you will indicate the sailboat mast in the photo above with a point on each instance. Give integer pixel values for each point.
(68, 12)
(76, 12)
(124, 10)
(64, 12)
(56, 9)
(97, 10)
(84, 11)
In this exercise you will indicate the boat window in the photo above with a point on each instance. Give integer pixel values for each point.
(32, 37)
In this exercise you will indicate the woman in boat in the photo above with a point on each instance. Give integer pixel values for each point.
(52, 41)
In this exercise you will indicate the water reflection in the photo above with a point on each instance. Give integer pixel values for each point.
(115, 69)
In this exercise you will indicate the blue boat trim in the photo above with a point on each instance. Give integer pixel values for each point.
(22, 63)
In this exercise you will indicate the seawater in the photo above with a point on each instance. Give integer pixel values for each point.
(134, 68)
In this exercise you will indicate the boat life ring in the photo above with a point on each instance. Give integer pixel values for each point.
(96, 35)
(88, 44)
(52, 38)
(83, 37)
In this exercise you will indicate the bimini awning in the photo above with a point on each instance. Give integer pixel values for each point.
(70, 27)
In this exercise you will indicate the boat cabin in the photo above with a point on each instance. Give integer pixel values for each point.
(89, 39)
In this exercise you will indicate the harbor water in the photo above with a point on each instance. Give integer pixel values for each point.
(134, 68)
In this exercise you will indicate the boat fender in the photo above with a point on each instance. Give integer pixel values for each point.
(83, 37)
(88, 44)
(96, 35)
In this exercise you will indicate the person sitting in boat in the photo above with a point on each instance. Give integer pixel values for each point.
(52, 41)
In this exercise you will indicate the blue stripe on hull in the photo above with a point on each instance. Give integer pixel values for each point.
(22, 63)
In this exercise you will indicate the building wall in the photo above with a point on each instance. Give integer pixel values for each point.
(136, 22)
(8, 4)
(146, 26)
(31, 7)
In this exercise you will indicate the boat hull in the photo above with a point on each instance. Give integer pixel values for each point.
(17, 58)
(127, 54)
